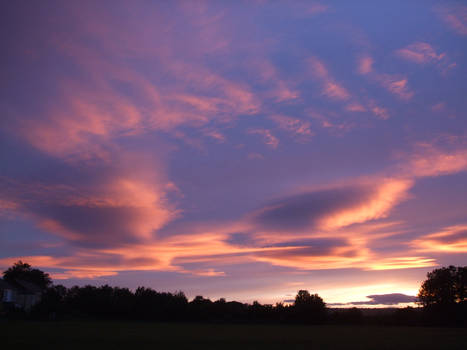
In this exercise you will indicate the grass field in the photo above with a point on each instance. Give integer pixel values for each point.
(135, 336)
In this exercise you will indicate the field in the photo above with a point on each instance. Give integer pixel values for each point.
(135, 336)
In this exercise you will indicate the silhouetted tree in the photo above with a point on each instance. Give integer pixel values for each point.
(444, 286)
(309, 308)
(23, 271)
(443, 295)
(52, 303)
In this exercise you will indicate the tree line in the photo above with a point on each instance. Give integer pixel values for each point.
(442, 300)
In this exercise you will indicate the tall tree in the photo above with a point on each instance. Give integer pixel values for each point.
(309, 308)
(444, 286)
(24, 271)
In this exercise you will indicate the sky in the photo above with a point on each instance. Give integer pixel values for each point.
(236, 149)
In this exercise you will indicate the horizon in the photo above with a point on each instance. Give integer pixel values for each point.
(238, 150)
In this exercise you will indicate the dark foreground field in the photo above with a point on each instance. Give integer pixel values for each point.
(119, 335)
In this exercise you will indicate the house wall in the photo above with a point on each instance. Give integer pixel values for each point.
(8, 296)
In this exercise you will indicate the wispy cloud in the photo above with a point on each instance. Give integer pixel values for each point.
(455, 17)
(268, 138)
(330, 88)
(333, 208)
(420, 52)
(382, 299)
(451, 239)
(398, 85)
(365, 65)
(299, 128)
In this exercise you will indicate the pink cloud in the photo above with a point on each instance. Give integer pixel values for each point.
(278, 88)
(398, 85)
(295, 126)
(330, 122)
(365, 65)
(123, 203)
(455, 17)
(444, 155)
(420, 52)
(330, 87)
(216, 135)
(378, 111)
(268, 138)
(355, 107)
(395, 84)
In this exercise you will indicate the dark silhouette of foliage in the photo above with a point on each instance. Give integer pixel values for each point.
(444, 286)
(443, 296)
(309, 308)
(347, 316)
(24, 272)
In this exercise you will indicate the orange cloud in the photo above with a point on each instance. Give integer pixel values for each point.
(430, 160)
(452, 239)
(120, 205)
(388, 193)
(393, 263)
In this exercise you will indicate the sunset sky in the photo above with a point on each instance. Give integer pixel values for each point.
(237, 149)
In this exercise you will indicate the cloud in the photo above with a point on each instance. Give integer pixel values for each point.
(111, 205)
(382, 299)
(455, 17)
(331, 121)
(216, 135)
(365, 65)
(268, 138)
(278, 88)
(396, 84)
(355, 107)
(330, 88)
(431, 159)
(452, 239)
(314, 258)
(334, 207)
(300, 129)
(399, 262)
(420, 52)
